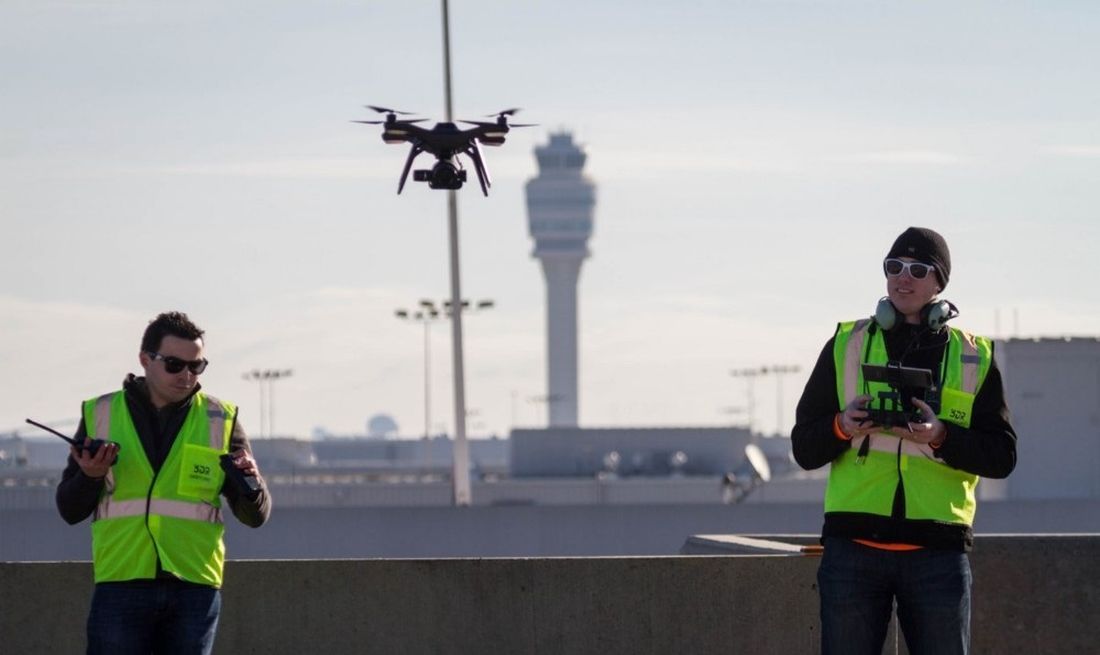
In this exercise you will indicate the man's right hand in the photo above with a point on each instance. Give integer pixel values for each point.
(95, 467)
(853, 420)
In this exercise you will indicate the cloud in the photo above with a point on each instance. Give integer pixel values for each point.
(914, 156)
(304, 168)
(1077, 151)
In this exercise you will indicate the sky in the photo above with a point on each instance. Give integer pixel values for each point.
(754, 160)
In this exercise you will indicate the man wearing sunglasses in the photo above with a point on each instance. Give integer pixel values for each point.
(155, 494)
(900, 501)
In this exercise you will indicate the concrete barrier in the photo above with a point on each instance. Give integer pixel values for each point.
(1032, 594)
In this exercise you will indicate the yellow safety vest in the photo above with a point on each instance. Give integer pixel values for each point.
(933, 490)
(173, 515)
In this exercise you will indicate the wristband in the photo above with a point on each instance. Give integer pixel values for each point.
(838, 432)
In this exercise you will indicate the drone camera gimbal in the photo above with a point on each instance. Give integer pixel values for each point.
(444, 175)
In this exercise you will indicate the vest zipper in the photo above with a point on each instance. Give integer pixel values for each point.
(898, 509)
(148, 505)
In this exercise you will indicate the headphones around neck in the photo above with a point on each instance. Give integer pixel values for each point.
(933, 316)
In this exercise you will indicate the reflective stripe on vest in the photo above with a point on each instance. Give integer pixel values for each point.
(933, 489)
(171, 517)
(182, 510)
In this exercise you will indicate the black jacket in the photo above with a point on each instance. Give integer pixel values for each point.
(78, 495)
(987, 448)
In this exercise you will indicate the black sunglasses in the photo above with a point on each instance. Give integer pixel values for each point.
(895, 267)
(175, 364)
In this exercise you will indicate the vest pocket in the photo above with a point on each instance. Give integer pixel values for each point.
(956, 407)
(199, 476)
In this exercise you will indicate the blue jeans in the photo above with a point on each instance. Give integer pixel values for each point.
(153, 616)
(858, 586)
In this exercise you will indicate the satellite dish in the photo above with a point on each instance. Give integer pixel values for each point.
(611, 460)
(758, 461)
(750, 474)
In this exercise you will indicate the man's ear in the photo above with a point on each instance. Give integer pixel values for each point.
(144, 359)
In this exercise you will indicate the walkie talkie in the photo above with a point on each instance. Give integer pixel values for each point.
(92, 447)
(248, 485)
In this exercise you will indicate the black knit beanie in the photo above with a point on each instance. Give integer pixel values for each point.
(926, 246)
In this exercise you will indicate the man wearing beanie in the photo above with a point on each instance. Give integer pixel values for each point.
(900, 501)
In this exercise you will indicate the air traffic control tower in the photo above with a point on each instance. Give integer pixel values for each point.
(559, 214)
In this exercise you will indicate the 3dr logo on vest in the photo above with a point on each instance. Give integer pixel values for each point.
(200, 469)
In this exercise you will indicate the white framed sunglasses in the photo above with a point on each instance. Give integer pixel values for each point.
(917, 270)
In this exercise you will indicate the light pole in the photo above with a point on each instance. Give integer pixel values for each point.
(779, 372)
(428, 313)
(460, 475)
(750, 375)
(750, 401)
(267, 397)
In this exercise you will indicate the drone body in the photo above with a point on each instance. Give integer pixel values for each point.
(446, 141)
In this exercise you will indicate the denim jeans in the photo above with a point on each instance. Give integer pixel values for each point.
(153, 616)
(858, 586)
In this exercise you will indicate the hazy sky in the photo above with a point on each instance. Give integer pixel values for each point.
(754, 161)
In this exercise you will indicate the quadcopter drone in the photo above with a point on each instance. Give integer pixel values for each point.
(446, 141)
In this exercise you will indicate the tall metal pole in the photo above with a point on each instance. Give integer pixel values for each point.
(779, 371)
(266, 379)
(258, 376)
(271, 406)
(460, 474)
(272, 376)
(427, 377)
(263, 408)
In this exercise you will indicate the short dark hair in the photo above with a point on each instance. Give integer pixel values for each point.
(174, 324)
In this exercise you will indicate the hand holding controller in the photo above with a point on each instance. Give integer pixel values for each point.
(854, 420)
(240, 471)
(927, 428)
(87, 453)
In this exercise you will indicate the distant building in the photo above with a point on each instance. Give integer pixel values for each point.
(628, 452)
(422, 455)
(560, 201)
(1052, 387)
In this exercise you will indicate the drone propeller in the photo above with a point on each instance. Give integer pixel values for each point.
(502, 120)
(495, 124)
(394, 122)
(384, 110)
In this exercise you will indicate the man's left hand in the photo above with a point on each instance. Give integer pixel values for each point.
(932, 431)
(243, 460)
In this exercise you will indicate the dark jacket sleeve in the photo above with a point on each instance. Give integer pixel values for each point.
(77, 494)
(812, 440)
(255, 512)
(988, 447)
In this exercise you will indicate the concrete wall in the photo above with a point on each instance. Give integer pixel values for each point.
(1032, 594)
(509, 531)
